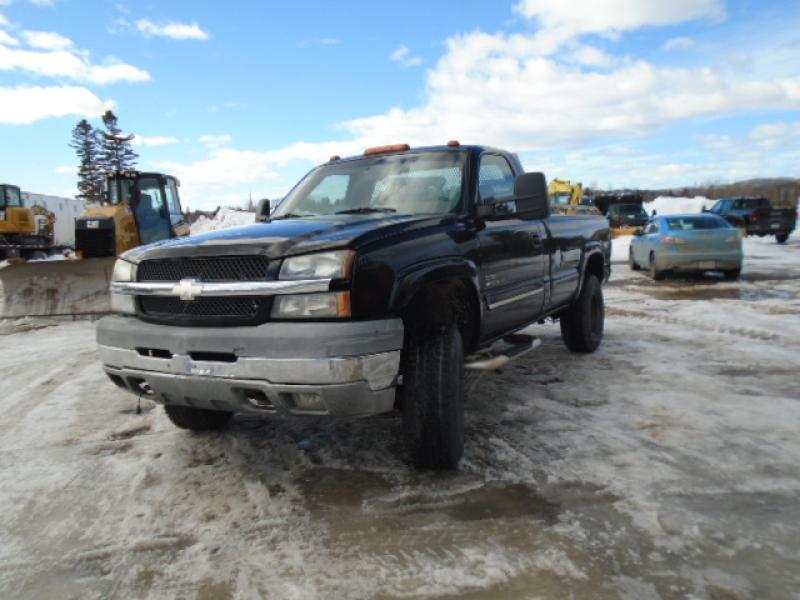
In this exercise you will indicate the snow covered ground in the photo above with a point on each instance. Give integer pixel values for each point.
(663, 466)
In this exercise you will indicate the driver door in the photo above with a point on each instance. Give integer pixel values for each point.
(152, 215)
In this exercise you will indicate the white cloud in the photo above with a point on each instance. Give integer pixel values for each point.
(214, 141)
(591, 56)
(403, 56)
(679, 43)
(152, 141)
(173, 30)
(776, 135)
(65, 170)
(26, 104)
(7, 39)
(562, 21)
(69, 63)
(46, 40)
(3, 20)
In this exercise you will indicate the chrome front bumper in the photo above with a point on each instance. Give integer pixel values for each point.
(336, 369)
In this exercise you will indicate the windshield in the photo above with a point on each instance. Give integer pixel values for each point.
(694, 223)
(405, 184)
(628, 209)
(9, 196)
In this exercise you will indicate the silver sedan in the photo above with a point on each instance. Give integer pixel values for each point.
(687, 243)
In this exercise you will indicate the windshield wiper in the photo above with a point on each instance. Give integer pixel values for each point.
(366, 209)
(293, 216)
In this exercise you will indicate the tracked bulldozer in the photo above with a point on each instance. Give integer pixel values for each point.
(139, 208)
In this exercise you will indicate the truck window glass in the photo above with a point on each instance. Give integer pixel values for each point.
(495, 178)
(327, 197)
(424, 183)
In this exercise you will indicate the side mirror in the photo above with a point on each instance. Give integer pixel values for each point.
(530, 195)
(263, 211)
(638, 232)
(704, 209)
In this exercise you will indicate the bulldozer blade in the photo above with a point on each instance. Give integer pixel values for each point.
(56, 288)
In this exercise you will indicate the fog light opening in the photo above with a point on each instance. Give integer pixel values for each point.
(307, 402)
(258, 399)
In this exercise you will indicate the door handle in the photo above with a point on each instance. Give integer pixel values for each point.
(536, 240)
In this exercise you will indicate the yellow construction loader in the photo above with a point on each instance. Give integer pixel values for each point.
(566, 198)
(139, 208)
(20, 235)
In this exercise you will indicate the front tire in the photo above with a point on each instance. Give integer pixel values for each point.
(197, 419)
(582, 323)
(631, 262)
(655, 273)
(781, 237)
(433, 397)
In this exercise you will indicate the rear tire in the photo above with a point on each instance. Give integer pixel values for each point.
(582, 323)
(732, 275)
(433, 397)
(631, 262)
(781, 237)
(655, 273)
(38, 255)
(197, 419)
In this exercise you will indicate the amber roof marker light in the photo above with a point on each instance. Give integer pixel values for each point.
(384, 149)
(454, 143)
(334, 158)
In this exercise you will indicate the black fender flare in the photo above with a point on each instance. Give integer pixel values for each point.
(592, 249)
(415, 277)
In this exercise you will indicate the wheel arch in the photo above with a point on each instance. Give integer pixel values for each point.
(441, 293)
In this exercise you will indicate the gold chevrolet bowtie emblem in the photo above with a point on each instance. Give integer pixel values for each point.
(188, 289)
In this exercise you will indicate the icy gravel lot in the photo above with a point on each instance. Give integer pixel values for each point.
(667, 465)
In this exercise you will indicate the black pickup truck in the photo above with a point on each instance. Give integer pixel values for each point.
(372, 287)
(757, 217)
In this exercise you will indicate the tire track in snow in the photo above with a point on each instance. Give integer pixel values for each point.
(741, 332)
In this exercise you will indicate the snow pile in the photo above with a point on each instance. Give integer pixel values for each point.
(619, 248)
(674, 205)
(224, 219)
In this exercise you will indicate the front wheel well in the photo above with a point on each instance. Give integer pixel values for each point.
(445, 302)
(595, 266)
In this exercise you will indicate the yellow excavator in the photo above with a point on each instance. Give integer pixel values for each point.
(566, 198)
(139, 208)
(21, 234)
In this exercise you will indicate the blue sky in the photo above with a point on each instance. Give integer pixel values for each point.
(243, 98)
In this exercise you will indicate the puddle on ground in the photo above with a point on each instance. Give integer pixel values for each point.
(456, 496)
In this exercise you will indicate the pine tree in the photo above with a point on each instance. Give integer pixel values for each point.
(91, 179)
(116, 154)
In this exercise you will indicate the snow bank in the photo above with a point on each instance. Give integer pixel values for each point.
(673, 205)
(224, 219)
(619, 248)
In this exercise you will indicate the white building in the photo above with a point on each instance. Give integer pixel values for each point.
(66, 211)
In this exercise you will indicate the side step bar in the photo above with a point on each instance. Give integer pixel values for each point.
(493, 359)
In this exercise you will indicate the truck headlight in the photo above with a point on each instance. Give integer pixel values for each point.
(312, 306)
(323, 265)
(123, 271)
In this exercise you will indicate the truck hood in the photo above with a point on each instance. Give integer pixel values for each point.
(286, 237)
